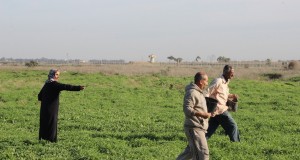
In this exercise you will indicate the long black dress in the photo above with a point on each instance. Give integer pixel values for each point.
(49, 97)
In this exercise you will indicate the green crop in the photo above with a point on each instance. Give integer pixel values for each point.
(140, 117)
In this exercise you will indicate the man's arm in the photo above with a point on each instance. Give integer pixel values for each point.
(189, 110)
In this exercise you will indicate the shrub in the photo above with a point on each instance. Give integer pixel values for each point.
(295, 79)
(246, 66)
(31, 64)
(293, 65)
(273, 75)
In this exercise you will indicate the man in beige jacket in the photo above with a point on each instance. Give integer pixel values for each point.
(196, 119)
(219, 89)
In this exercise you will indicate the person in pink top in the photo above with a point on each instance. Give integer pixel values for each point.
(218, 89)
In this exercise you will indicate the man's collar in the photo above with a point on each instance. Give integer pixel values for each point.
(224, 80)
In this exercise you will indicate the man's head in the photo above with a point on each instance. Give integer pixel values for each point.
(201, 80)
(228, 72)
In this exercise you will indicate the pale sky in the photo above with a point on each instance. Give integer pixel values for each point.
(133, 29)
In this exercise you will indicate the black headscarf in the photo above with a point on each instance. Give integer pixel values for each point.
(51, 75)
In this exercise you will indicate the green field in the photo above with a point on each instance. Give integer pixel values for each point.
(140, 117)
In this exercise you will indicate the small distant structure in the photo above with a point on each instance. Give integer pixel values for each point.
(152, 58)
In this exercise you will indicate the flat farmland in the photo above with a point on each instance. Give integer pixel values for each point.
(135, 112)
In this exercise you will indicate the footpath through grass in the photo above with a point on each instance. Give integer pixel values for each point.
(140, 117)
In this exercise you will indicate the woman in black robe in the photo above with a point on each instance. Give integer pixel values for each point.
(49, 97)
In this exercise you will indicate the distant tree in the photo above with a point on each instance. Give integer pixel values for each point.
(31, 64)
(223, 59)
(198, 58)
(268, 62)
(171, 58)
(179, 60)
(220, 59)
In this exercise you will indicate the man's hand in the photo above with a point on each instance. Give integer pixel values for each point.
(204, 115)
(233, 96)
(82, 87)
(213, 114)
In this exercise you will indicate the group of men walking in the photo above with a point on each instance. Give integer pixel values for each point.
(199, 124)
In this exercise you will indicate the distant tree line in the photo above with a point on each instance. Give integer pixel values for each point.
(36, 62)
(198, 58)
(221, 59)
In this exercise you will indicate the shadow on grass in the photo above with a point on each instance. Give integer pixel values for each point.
(272, 76)
(150, 136)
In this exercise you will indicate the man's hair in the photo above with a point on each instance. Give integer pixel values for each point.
(227, 69)
(199, 76)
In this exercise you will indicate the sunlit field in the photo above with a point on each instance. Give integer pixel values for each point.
(139, 115)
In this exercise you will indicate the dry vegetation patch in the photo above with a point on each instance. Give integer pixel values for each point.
(241, 72)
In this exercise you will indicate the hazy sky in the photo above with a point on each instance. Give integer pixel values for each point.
(133, 29)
